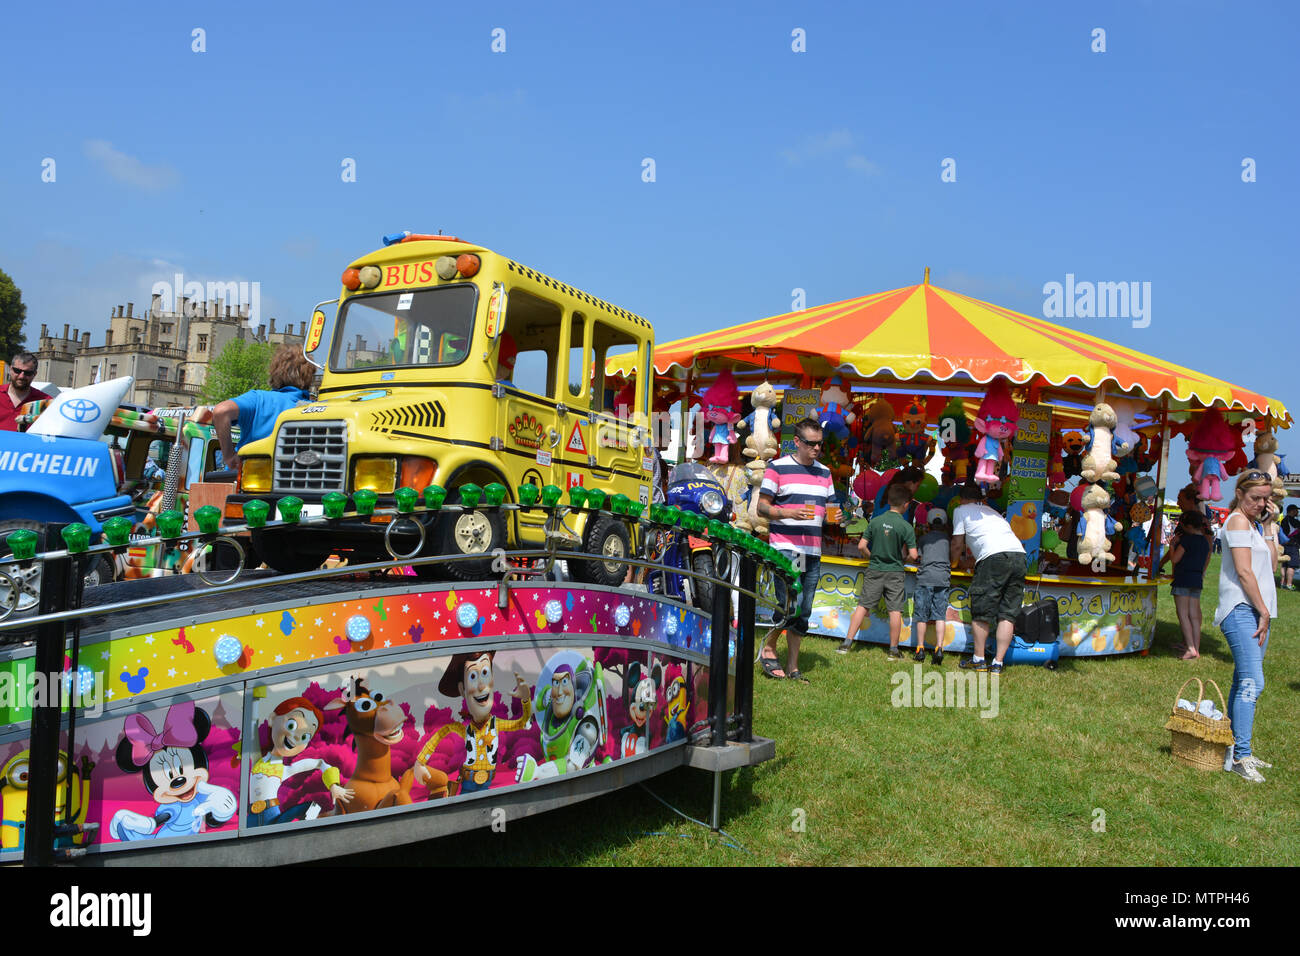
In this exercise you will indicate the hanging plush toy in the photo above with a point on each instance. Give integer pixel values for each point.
(913, 442)
(1055, 464)
(879, 437)
(1125, 440)
(955, 434)
(762, 444)
(1095, 528)
(1073, 445)
(1139, 513)
(1098, 465)
(721, 402)
(997, 422)
(835, 412)
(1211, 444)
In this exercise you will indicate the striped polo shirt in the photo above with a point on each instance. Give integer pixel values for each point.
(791, 484)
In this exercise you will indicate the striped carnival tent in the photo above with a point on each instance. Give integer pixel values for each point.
(925, 336)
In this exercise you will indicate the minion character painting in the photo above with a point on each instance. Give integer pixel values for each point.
(569, 705)
(73, 783)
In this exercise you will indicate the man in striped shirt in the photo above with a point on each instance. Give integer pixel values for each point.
(793, 498)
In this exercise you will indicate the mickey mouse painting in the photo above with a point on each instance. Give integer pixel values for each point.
(174, 770)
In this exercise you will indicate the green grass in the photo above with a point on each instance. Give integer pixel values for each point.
(879, 785)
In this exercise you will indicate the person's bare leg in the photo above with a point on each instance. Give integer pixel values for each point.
(981, 631)
(920, 635)
(1194, 608)
(895, 628)
(792, 639)
(1006, 630)
(1183, 611)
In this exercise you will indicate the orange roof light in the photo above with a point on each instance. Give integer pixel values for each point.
(467, 264)
(351, 280)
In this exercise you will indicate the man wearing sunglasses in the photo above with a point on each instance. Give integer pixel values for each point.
(793, 498)
(19, 391)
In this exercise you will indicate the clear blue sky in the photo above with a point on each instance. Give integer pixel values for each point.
(774, 169)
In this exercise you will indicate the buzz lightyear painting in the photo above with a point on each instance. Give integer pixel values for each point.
(569, 707)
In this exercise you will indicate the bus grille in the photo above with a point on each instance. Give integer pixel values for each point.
(328, 440)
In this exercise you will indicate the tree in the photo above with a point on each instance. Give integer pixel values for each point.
(240, 367)
(13, 312)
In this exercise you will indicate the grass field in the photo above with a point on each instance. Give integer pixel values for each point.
(858, 781)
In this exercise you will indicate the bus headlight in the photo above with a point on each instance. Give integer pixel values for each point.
(711, 503)
(375, 474)
(255, 474)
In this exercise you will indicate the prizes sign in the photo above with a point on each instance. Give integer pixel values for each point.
(796, 405)
(1027, 482)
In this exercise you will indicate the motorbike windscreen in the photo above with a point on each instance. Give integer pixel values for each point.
(424, 327)
(692, 471)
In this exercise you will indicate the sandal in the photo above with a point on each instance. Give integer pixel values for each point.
(772, 668)
(798, 675)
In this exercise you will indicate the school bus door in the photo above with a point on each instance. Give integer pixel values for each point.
(617, 435)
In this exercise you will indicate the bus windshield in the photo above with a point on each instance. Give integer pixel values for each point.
(421, 327)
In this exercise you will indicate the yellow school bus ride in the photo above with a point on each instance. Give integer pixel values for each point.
(451, 364)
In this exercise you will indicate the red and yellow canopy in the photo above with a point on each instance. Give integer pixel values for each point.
(923, 332)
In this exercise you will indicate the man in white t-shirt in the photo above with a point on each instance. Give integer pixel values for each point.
(998, 587)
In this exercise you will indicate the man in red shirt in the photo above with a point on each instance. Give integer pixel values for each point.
(22, 369)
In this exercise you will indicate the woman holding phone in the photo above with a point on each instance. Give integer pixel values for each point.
(1247, 606)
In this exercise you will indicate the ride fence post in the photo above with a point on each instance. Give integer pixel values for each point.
(745, 631)
(719, 653)
(56, 578)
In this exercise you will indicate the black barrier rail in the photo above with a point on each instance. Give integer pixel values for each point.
(57, 629)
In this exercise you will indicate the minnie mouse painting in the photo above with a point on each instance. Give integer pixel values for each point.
(174, 769)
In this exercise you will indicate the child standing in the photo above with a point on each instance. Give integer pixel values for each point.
(930, 602)
(887, 538)
(1190, 552)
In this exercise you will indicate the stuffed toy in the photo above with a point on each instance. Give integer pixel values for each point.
(835, 412)
(956, 437)
(1139, 513)
(879, 437)
(913, 442)
(761, 445)
(996, 422)
(1095, 529)
(1211, 445)
(1073, 445)
(1098, 465)
(1125, 440)
(721, 402)
(1055, 465)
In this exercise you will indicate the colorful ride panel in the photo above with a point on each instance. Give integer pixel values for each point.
(332, 701)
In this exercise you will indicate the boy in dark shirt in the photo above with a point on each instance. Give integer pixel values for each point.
(930, 602)
(885, 542)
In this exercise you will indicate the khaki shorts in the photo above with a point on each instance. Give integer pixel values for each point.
(886, 583)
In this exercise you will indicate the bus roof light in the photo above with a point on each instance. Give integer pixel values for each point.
(351, 280)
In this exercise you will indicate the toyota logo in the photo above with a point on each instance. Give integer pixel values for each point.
(307, 458)
(81, 410)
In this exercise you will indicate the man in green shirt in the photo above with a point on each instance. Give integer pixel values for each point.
(888, 539)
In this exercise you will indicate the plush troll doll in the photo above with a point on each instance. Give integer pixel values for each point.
(721, 410)
(1210, 445)
(996, 422)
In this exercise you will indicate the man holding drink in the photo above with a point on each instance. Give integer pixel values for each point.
(793, 497)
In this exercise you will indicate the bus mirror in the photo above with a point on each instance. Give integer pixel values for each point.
(315, 331)
(496, 312)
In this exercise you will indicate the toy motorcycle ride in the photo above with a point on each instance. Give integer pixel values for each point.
(693, 489)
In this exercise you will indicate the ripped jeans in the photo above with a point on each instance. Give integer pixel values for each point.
(1247, 676)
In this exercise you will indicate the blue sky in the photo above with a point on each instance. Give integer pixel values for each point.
(774, 170)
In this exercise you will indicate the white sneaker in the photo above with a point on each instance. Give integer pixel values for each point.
(1257, 763)
(1245, 768)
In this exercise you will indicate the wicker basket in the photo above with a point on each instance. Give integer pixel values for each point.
(1195, 739)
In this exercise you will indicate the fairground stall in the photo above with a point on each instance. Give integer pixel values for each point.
(1069, 434)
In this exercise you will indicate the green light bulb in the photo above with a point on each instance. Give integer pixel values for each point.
(334, 504)
(170, 523)
(595, 499)
(255, 512)
(76, 537)
(208, 519)
(290, 508)
(528, 494)
(365, 500)
(405, 498)
(495, 493)
(470, 495)
(577, 496)
(22, 544)
(117, 531)
(434, 496)
(551, 495)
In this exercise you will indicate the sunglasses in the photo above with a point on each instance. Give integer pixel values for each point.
(811, 444)
(29, 372)
(1256, 476)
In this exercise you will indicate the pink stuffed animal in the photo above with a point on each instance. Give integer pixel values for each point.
(996, 422)
(721, 410)
(1211, 444)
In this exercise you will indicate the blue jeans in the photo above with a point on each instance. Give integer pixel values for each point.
(1247, 675)
(811, 575)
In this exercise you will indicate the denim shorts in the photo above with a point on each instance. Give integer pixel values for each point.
(1185, 592)
(930, 603)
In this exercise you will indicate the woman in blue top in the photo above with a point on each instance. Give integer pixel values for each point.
(1190, 550)
(256, 410)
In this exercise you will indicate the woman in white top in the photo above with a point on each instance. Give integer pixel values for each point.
(1247, 605)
